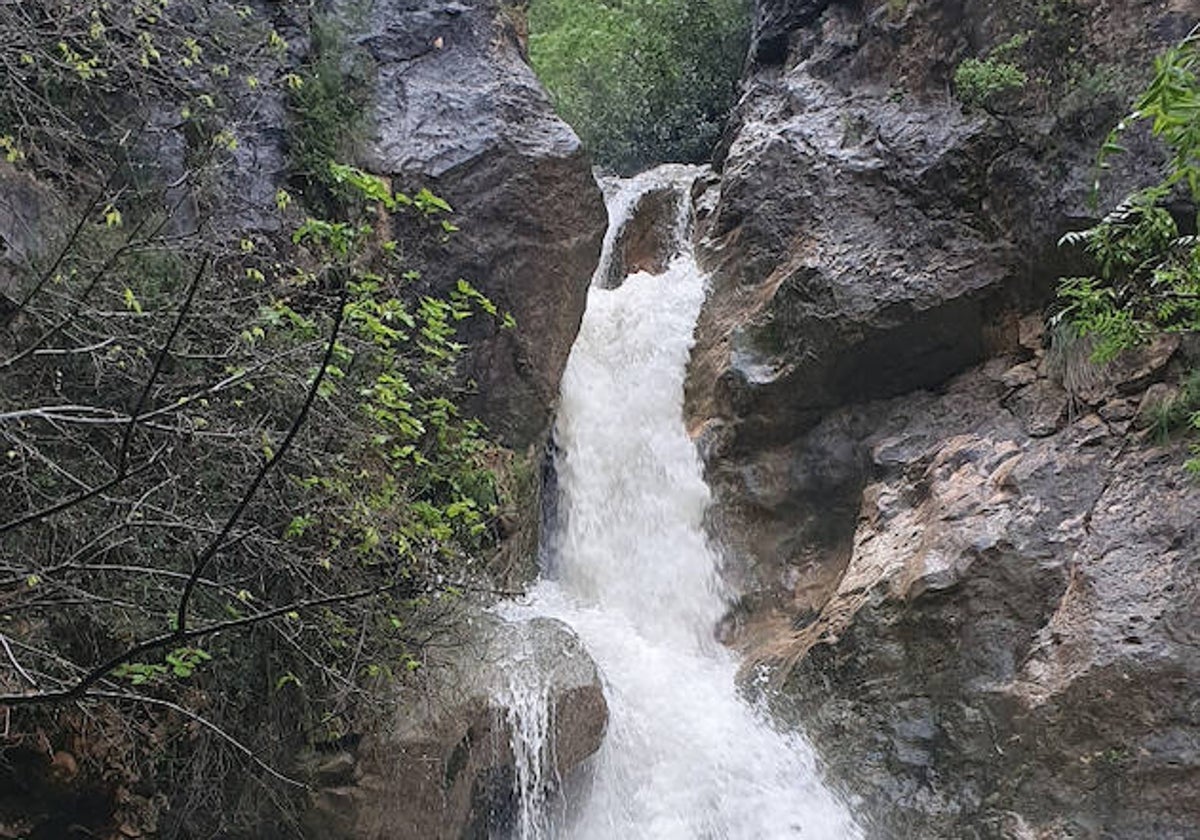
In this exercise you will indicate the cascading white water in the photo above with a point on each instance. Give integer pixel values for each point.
(685, 756)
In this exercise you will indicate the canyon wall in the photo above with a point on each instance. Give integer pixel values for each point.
(964, 553)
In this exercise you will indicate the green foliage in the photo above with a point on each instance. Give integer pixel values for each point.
(1147, 273)
(416, 488)
(1180, 411)
(326, 100)
(157, 355)
(978, 81)
(180, 663)
(642, 81)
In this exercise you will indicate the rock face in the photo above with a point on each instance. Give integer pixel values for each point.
(648, 239)
(1011, 649)
(869, 227)
(446, 768)
(966, 558)
(26, 210)
(457, 109)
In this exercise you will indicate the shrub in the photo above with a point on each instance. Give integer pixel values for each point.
(237, 494)
(1146, 270)
(978, 81)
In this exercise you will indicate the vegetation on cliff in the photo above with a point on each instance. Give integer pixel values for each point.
(1145, 252)
(643, 82)
(236, 490)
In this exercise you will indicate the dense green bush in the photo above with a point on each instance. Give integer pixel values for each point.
(978, 81)
(642, 81)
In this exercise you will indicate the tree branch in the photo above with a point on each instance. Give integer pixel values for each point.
(163, 353)
(177, 638)
(203, 721)
(215, 545)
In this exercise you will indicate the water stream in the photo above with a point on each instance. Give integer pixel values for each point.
(685, 756)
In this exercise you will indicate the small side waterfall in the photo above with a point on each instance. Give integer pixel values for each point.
(685, 756)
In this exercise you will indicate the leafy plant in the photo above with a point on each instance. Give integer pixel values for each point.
(219, 440)
(1147, 271)
(326, 100)
(1180, 411)
(978, 81)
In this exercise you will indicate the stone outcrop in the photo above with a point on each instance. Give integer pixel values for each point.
(457, 109)
(962, 551)
(445, 767)
(648, 240)
(1010, 649)
(869, 227)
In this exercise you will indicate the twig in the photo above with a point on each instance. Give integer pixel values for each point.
(181, 633)
(13, 659)
(80, 498)
(163, 353)
(71, 240)
(82, 686)
(217, 543)
(203, 721)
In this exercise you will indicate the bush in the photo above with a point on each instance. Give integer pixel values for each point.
(1146, 270)
(978, 81)
(237, 494)
(642, 81)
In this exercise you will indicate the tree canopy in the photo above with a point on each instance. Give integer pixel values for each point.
(642, 81)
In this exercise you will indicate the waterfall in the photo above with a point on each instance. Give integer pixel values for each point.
(685, 756)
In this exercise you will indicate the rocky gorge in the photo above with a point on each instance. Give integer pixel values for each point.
(961, 558)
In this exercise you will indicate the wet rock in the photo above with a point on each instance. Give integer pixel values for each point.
(870, 228)
(648, 241)
(968, 574)
(1042, 408)
(457, 109)
(1013, 632)
(443, 767)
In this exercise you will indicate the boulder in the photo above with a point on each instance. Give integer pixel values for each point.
(444, 765)
(458, 110)
(649, 238)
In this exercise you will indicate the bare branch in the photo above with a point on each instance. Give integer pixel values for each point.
(215, 546)
(203, 721)
(80, 498)
(13, 659)
(97, 197)
(178, 638)
(163, 352)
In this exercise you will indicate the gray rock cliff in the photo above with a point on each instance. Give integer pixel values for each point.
(457, 108)
(967, 561)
